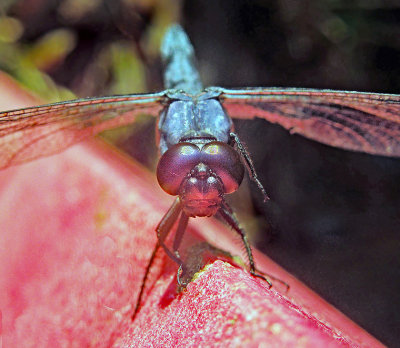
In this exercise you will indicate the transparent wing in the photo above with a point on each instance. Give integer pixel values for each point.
(34, 132)
(365, 122)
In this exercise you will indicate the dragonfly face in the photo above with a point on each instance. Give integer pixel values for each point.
(202, 191)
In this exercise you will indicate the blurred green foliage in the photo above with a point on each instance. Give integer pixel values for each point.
(59, 49)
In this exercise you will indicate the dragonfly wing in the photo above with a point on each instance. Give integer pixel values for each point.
(34, 132)
(356, 121)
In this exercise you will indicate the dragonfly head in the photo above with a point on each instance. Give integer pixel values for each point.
(200, 175)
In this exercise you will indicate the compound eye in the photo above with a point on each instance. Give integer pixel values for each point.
(175, 164)
(225, 162)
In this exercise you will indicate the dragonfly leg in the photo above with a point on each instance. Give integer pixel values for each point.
(144, 280)
(165, 226)
(163, 229)
(234, 140)
(183, 222)
(227, 214)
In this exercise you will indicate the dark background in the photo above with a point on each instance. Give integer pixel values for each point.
(334, 216)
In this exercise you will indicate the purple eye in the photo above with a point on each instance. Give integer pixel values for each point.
(175, 164)
(225, 162)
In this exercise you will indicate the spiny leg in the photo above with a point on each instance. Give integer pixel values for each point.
(144, 280)
(165, 225)
(163, 228)
(234, 140)
(226, 213)
(183, 222)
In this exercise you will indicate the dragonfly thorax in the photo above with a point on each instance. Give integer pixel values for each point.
(193, 116)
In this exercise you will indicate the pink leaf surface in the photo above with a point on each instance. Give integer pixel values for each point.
(77, 230)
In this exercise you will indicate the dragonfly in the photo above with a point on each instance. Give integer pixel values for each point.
(201, 157)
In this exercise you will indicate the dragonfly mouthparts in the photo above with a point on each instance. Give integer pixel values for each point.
(201, 192)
